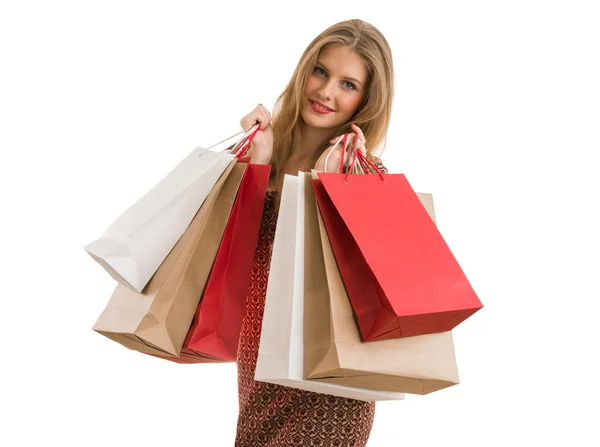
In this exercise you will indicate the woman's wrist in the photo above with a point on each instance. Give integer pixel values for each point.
(260, 159)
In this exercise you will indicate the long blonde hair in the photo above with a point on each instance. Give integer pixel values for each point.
(373, 115)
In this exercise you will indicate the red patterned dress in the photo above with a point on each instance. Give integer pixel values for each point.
(278, 416)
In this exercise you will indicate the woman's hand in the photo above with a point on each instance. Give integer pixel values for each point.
(261, 148)
(356, 141)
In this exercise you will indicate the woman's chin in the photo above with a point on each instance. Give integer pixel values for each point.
(319, 122)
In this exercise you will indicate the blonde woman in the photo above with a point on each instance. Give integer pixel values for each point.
(342, 84)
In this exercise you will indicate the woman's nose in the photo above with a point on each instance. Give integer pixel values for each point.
(326, 91)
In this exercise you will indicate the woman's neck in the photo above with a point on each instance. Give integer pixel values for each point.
(310, 141)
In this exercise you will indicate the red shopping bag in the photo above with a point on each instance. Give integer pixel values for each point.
(215, 329)
(400, 275)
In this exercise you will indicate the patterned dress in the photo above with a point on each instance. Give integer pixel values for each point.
(277, 416)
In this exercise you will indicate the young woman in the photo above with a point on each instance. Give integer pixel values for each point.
(342, 84)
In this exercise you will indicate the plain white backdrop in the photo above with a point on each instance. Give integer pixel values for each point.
(496, 112)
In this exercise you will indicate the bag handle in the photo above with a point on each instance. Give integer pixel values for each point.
(247, 137)
(362, 165)
(357, 170)
(363, 162)
(362, 159)
(345, 138)
(242, 147)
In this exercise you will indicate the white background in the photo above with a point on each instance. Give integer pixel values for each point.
(497, 113)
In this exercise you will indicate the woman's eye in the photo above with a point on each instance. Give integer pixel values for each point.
(319, 71)
(349, 85)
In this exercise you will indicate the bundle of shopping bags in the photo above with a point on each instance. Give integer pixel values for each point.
(363, 291)
(182, 257)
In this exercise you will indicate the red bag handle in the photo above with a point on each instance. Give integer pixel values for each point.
(344, 152)
(364, 166)
(246, 144)
(362, 160)
(375, 168)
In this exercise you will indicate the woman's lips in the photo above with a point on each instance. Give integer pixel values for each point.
(319, 108)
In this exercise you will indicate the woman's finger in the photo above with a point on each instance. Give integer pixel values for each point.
(267, 117)
(359, 142)
(262, 110)
(260, 115)
(246, 123)
(267, 114)
(357, 130)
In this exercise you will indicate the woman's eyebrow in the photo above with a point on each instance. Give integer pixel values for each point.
(345, 77)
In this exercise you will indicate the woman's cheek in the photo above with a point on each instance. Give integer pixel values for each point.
(350, 104)
(312, 84)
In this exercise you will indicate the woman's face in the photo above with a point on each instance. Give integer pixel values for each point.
(335, 88)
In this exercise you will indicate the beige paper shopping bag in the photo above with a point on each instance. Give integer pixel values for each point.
(335, 353)
(157, 320)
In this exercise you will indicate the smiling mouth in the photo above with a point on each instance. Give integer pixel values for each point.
(321, 106)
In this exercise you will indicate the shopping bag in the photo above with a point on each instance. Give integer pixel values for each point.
(134, 246)
(335, 353)
(400, 274)
(157, 320)
(281, 354)
(215, 330)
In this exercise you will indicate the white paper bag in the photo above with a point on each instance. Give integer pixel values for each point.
(135, 245)
(281, 349)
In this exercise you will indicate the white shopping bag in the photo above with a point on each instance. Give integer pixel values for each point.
(135, 245)
(281, 349)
